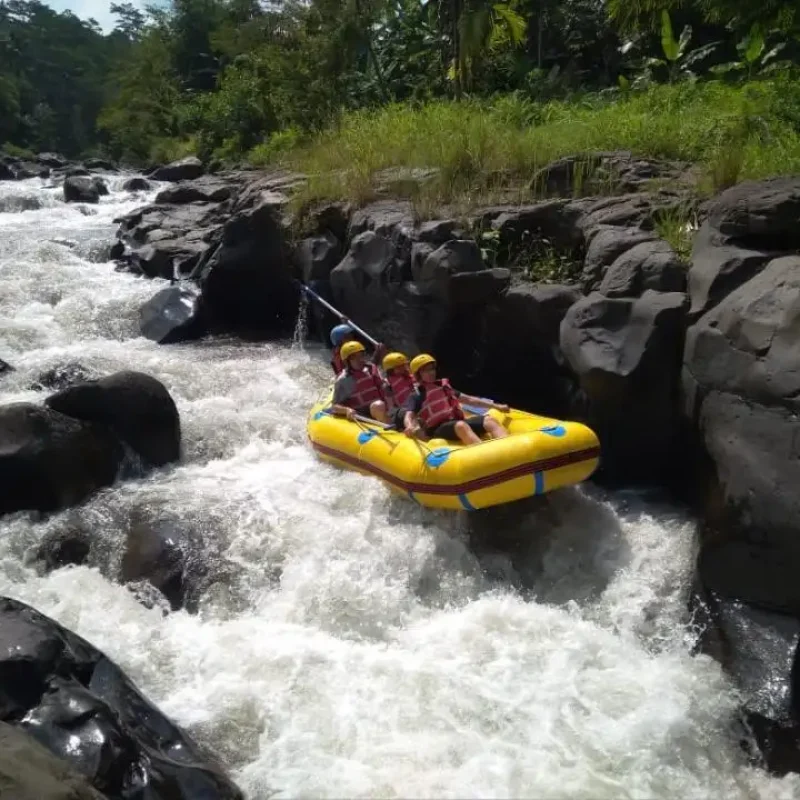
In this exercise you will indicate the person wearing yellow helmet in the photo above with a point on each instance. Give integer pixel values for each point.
(435, 408)
(340, 336)
(399, 384)
(359, 388)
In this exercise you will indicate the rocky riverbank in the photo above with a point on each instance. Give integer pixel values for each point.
(623, 342)
(625, 345)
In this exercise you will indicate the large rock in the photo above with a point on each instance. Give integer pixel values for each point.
(136, 407)
(175, 314)
(647, 265)
(49, 461)
(246, 278)
(137, 184)
(30, 772)
(626, 355)
(203, 190)
(5, 367)
(80, 706)
(79, 189)
(184, 170)
(61, 376)
(100, 163)
(316, 256)
(52, 160)
(608, 243)
(747, 226)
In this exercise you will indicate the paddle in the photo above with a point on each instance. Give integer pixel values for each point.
(345, 319)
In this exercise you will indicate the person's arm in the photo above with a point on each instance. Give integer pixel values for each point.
(380, 352)
(342, 389)
(410, 421)
(479, 402)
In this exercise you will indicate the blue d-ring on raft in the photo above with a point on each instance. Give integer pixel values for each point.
(554, 430)
(366, 436)
(320, 414)
(437, 457)
(538, 482)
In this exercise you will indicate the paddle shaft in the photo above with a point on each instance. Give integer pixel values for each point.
(342, 317)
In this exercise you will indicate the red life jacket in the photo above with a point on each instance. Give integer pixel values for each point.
(402, 387)
(336, 361)
(439, 404)
(368, 388)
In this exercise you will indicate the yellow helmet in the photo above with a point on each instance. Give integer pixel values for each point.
(422, 360)
(350, 349)
(392, 360)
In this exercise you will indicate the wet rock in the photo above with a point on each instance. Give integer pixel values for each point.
(316, 256)
(61, 376)
(100, 163)
(52, 160)
(136, 407)
(27, 169)
(166, 555)
(30, 772)
(452, 258)
(6, 172)
(184, 170)
(80, 706)
(647, 265)
(607, 244)
(760, 650)
(5, 367)
(173, 315)
(169, 258)
(626, 355)
(76, 172)
(81, 190)
(136, 185)
(50, 461)
(116, 252)
(63, 547)
(100, 185)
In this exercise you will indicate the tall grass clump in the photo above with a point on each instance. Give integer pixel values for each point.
(732, 132)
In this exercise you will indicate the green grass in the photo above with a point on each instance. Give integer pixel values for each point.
(484, 149)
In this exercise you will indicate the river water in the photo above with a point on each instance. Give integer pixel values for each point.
(356, 645)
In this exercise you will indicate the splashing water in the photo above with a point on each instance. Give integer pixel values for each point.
(353, 644)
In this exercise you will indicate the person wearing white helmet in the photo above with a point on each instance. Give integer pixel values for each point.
(435, 408)
(359, 388)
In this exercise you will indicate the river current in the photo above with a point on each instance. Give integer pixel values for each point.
(356, 645)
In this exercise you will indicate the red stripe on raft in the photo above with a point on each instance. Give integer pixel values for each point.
(470, 486)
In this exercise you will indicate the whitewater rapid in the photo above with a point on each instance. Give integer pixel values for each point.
(356, 645)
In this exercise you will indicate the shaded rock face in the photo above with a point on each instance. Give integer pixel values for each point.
(81, 707)
(184, 170)
(137, 185)
(49, 461)
(626, 354)
(175, 314)
(30, 772)
(78, 189)
(136, 407)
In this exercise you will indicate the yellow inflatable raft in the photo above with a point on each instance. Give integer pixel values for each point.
(540, 455)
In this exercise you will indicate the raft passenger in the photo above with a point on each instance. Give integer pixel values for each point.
(342, 334)
(435, 407)
(399, 385)
(359, 388)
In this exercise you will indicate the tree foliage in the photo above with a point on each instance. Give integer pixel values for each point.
(227, 77)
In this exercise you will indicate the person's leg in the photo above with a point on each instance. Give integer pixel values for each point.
(494, 428)
(378, 411)
(464, 431)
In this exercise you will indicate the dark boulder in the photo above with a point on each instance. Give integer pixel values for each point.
(81, 190)
(454, 257)
(647, 265)
(6, 172)
(61, 548)
(52, 160)
(520, 229)
(331, 218)
(167, 258)
(100, 163)
(173, 315)
(387, 218)
(136, 407)
(30, 772)
(136, 185)
(522, 328)
(100, 184)
(184, 170)
(760, 650)
(246, 277)
(27, 169)
(203, 190)
(626, 356)
(5, 367)
(316, 256)
(80, 706)
(746, 227)
(76, 172)
(61, 376)
(607, 244)
(50, 461)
